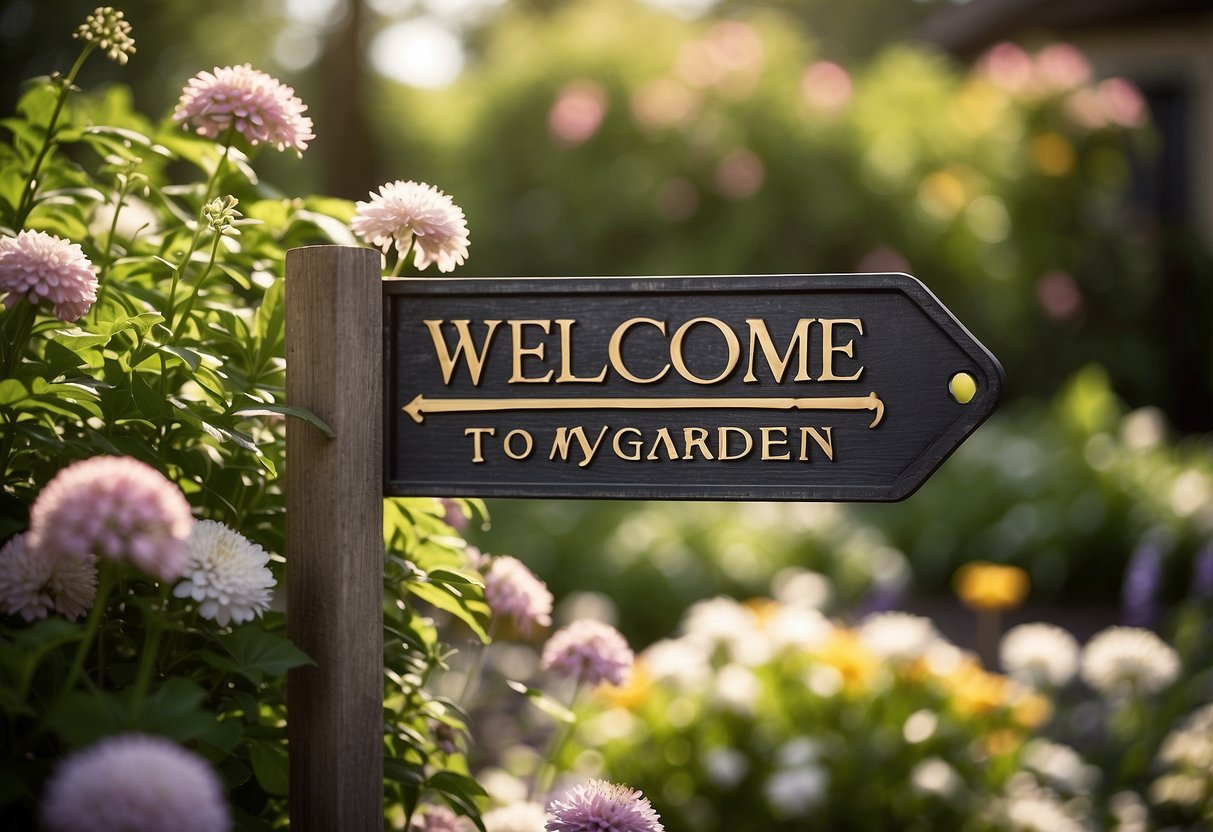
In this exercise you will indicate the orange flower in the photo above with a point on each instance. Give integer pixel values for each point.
(631, 695)
(991, 586)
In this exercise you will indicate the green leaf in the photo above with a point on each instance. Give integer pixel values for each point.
(545, 703)
(287, 410)
(443, 575)
(440, 596)
(270, 765)
(259, 654)
(460, 792)
(402, 771)
(12, 392)
(174, 710)
(82, 718)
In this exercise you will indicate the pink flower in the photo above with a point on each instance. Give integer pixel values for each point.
(577, 112)
(408, 213)
(135, 783)
(258, 106)
(826, 87)
(589, 652)
(599, 806)
(40, 266)
(514, 593)
(31, 586)
(114, 507)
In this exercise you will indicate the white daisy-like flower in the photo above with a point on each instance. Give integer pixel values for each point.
(933, 776)
(1128, 660)
(1061, 766)
(1039, 654)
(898, 635)
(417, 215)
(227, 575)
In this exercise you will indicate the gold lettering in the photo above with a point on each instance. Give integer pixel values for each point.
(663, 438)
(528, 444)
(477, 443)
(693, 438)
(826, 443)
(636, 444)
(463, 347)
(730, 339)
(615, 350)
(521, 351)
(560, 445)
(565, 325)
(722, 442)
(828, 348)
(768, 442)
(760, 337)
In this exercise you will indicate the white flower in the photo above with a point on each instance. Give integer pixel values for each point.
(1128, 660)
(794, 792)
(1061, 765)
(1030, 808)
(798, 628)
(1039, 654)
(227, 574)
(417, 215)
(736, 689)
(898, 635)
(726, 767)
(34, 583)
(933, 776)
(683, 663)
(517, 817)
(724, 622)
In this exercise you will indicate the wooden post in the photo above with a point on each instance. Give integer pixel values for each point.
(334, 538)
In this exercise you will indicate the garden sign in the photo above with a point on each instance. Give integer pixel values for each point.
(819, 387)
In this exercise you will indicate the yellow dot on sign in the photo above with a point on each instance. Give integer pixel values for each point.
(963, 387)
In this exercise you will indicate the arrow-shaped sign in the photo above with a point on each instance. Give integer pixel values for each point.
(711, 388)
(420, 405)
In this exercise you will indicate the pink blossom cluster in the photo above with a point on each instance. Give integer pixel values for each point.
(38, 266)
(589, 652)
(113, 507)
(257, 106)
(1060, 70)
(599, 806)
(515, 594)
(135, 783)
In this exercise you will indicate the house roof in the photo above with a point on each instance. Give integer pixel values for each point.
(969, 27)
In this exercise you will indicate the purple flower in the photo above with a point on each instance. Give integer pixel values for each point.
(1142, 577)
(32, 585)
(135, 783)
(599, 806)
(589, 652)
(113, 507)
(417, 215)
(1202, 573)
(40, 266)
(514, 593)
(256, 105)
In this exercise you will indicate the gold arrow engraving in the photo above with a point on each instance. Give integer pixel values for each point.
(420, 406)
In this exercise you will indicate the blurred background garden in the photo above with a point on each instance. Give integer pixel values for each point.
(1043, 167)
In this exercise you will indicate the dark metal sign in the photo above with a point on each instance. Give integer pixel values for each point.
(786, 387)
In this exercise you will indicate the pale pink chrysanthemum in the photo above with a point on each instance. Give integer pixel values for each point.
(599, 806)
(414, 214)
(113, 507)
(226, 574)
(513, 592)
(135, 783)
(589, 652)
(31, 586)
(258, 106)
(40, 266)
(441, 819)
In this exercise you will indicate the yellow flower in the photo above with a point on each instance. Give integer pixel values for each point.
(1003, 741)
(976, 692)
(1031, 710)
(631, 695)
(855, 662)
(991, 586)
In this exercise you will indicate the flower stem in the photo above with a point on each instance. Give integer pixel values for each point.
(193, 246)
(31, 183)
(147, 657)
(24, 315)
(105, 583)
(547, 773)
